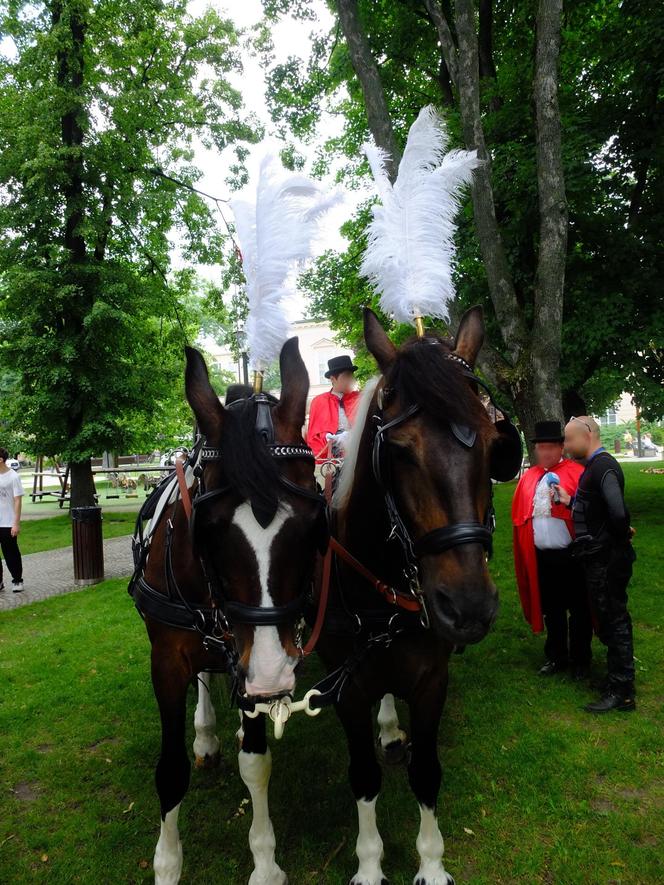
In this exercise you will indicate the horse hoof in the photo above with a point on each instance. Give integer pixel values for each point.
(273, 877)
(449, 880)
(395, 753)
(208, 762)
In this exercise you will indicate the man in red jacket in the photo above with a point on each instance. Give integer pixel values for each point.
(551, 583)
(331, 414)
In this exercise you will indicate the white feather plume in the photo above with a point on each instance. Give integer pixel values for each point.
(275, 229)
(409, 257)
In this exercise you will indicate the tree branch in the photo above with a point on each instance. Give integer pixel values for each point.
(501, 286)
(366, 70)
(447, 46)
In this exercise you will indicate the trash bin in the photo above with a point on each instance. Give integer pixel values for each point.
(87, 545)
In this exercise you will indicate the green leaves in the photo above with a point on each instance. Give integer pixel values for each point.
(92, 337)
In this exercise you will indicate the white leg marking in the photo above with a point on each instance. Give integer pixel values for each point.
(255, 771)
(389, 722)
(430, 848)
(369, 845)
(270, 669)
(206, 742)
(168, 853)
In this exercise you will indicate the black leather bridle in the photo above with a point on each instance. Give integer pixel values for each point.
(437, 540)
(239, 612)
(216, 623)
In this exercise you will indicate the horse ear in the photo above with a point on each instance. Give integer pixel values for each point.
(470, 337)
(292, 406)
(203, 400)
(378, 344)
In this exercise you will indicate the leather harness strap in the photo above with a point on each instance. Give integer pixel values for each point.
(182, 485)
(390, 594)
(322, 604)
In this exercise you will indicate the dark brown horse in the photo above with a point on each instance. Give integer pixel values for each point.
(414, 508)
(220, 588)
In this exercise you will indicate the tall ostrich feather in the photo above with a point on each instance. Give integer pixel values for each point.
(275, 229)
(409, 257)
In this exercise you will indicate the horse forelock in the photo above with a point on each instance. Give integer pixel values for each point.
(423, 374)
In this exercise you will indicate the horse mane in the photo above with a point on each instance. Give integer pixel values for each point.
(439, 386)
(419, 375)
(248, 466)
(347, 474)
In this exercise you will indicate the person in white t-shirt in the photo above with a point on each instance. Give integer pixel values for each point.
(11, 497)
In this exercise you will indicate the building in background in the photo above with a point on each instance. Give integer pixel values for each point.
(620, 412)
(317, 346)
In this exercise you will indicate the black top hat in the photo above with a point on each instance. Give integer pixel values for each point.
(236, 392)
(339, 364)
(548, 431)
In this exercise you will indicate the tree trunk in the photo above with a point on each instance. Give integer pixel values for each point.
(487, 66)
(499, 277)
(82, 484)
(70, 77)
(550, 274)
(366, 70)
(448, 48)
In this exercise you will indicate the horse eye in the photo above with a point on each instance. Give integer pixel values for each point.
(402, 452)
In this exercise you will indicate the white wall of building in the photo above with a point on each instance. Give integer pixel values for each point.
(317, 346)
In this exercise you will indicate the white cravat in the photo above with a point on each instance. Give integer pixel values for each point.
(550, 533)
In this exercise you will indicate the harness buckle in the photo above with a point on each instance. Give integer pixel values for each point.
(413, 578)
(199, 620)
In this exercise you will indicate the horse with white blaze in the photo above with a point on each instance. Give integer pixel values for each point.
(215, 579)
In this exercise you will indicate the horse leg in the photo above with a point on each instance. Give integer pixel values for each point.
(365, 779)
(173, 769)
(255, 762)
(424, 775)
(391, 739)
(206, 742)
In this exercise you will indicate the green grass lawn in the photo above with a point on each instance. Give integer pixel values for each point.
(109, 499)
(534, 790)
(55, 531)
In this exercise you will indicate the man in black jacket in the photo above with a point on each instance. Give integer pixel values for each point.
(603, 543)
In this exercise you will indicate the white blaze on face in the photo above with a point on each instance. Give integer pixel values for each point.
(270, 669)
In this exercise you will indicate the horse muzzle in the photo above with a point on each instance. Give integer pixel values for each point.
(462, 618)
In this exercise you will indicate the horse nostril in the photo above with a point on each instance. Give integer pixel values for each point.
(448, 609)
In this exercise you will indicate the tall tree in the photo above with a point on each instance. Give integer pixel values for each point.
(99, 107)
(554, 145)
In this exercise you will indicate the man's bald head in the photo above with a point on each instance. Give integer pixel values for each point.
(582, 436)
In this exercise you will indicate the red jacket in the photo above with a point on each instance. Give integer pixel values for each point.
(324, 418)
(525, 560)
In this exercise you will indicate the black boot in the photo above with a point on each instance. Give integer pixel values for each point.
(621, 699)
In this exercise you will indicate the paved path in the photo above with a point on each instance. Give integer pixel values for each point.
(52, 573)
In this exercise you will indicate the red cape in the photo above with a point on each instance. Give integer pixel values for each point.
(525, 560)
(324, 418)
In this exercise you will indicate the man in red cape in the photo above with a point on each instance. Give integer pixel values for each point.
(331, 414)
(550, 582)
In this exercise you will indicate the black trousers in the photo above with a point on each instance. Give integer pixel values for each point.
(562, 591)
(11, 553)
(608, 572)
